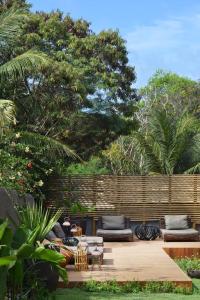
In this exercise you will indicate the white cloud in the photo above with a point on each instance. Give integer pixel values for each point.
(172, 44)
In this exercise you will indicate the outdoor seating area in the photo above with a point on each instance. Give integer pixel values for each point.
(140, 261)
(126, 258)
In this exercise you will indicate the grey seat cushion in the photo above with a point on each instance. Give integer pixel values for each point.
(51, 236)
(93, 248)
(114, 233)
(58, 231)
(113, 222)
(92, 240)
(176, 222)
(180, 232)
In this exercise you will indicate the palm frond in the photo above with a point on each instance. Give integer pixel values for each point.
(48, 145)
(144, 144)
(187, 128)
(193, 170)
(20, 65)
(10, 24)
(7, 114)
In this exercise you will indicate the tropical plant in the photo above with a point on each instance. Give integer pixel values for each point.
(40, 150)
(169, 145)
(35, 216)
(19, 254)
(11, 22)
(7, 115)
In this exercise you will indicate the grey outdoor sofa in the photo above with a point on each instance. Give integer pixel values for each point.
(178, 228)
(114, 228)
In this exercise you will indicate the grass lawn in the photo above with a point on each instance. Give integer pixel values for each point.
(79, 294)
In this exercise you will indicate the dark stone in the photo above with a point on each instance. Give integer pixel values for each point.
(193, 273)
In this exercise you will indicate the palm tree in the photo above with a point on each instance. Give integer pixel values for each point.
(10, 29)
(30, 61)
(170, 145)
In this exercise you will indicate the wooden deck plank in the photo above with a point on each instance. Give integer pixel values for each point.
(140, 261)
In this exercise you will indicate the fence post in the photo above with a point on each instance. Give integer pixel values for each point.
(195, 188)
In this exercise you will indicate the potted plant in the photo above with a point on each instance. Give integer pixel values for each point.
(79, 213)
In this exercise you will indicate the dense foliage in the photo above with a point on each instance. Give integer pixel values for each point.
(83, 95)
(21, 252)
(76, 91)
(167, 140)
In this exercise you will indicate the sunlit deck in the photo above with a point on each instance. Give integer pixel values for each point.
(140, 261)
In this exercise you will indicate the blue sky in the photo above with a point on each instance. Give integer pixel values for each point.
(159, 33)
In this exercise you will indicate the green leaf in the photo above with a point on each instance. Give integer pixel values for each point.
(16, 274)
(25, 251)
(62, 273)
(8, 260)
(48, 255)
(22, 64)
(20, 237)
(3, 228)
(7, 238)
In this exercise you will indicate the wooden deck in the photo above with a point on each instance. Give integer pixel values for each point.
(141, 261)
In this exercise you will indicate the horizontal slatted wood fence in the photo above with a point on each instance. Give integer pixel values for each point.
(138, 197)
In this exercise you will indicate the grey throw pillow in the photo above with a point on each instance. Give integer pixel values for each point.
(51, 236)
(58, 231)
(113, 222)
(176, 222)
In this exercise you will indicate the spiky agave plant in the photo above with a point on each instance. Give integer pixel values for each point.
(35, 216)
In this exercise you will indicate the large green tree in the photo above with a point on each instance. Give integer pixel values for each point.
(89, 77)
(175, 92)
(25, 157)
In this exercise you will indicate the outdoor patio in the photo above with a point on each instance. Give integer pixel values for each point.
(141, 261)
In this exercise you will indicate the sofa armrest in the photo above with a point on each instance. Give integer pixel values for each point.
(127, 223)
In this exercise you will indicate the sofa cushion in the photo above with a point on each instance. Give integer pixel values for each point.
(92, 240)
(113, 222)
(51, 236)
(114, 233)
(176, 222)
(91, 249)
(179, 232)
(58, 231)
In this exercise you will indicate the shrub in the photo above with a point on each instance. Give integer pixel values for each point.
(135, 287)
(188, 263)
(92, 167)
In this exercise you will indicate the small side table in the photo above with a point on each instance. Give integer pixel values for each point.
(81, 261)
(96, 257)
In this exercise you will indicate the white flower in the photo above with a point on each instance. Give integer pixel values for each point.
(13, 144)
(11, 177)
(17, 135)
(19, 174)
(27, 149)
(48, 171)
(40, 183)
(1, 177)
